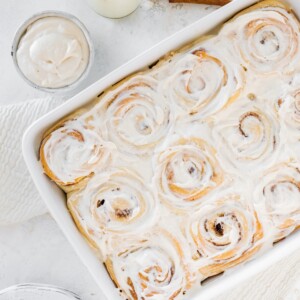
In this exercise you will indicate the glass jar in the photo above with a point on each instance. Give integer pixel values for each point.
(23, 29)
(32, 291)
(114, 8)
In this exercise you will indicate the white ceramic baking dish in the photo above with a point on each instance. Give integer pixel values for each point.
(55, 198)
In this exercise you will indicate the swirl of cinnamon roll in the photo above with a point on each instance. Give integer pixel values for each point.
(289, 109)
(187, 171)
(266, 36)
(136, 115)
(277, 197)
(224, 233)
(73, 152)
(247, 136)
(203, 82)
(150, 268)
(116, 201)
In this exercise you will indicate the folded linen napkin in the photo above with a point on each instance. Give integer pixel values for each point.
(19, 199)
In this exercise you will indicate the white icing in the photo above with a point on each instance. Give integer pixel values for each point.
(154, 265)
(116, 201)
(248, 136)
(277, 197)
(136, 116)
(267, 41)
(207, 144)
(203, 81)
(53, 52)
(223, 229)
(185, 172)
(74, 151)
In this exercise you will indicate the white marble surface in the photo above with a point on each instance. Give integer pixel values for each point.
(36, 251)
(116, 41)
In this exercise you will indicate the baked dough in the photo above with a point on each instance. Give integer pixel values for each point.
(191, 167)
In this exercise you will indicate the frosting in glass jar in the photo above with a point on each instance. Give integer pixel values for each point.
(53, 52)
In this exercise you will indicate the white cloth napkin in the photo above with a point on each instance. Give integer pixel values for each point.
(19, 199)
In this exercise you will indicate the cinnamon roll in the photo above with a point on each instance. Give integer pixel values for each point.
(203, 81)
(137, 116)
(277, 197)
(266, 36)
(73, 152)
(152, 267)
(248, 136)
(288, 108)
(224, 233)
(188, 168)
(113, 202)
(186, 171)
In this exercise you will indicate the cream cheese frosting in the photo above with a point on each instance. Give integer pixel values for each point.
(53, 52)
(74, 151)
(199, 168)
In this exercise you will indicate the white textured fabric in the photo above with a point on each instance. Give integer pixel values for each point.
(19, 199)
(279, 282)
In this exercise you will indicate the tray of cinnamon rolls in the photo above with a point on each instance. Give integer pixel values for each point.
(170, 172)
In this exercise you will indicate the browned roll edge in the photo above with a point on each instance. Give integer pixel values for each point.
(211, 2)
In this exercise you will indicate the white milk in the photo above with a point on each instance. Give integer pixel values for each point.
(114, 8)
